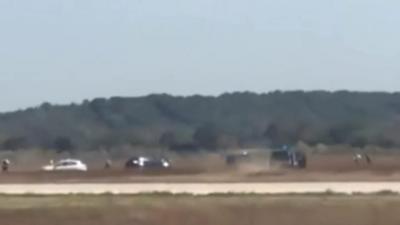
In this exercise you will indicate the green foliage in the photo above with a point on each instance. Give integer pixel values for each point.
(63, 144)
(207, 136)
(203, 122)
(15, 143)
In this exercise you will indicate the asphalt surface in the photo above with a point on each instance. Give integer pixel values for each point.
(202, 188)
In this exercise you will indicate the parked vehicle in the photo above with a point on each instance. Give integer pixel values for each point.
(66, 165)
(235, 158)
(147, 162)
(294, 159)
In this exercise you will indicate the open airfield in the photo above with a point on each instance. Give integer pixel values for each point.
(336, 173)
(321, 168)
(185, 209)
(190, 193)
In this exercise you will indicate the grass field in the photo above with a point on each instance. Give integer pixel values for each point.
(210, 210)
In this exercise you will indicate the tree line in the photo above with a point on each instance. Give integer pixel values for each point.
(195, 123)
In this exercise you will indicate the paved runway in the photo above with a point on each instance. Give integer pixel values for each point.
(202, 188)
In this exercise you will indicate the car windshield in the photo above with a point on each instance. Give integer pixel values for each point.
(67, 163)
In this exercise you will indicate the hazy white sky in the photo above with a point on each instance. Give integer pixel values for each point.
(68, 50)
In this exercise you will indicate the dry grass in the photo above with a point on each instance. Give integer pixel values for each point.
(212, 210)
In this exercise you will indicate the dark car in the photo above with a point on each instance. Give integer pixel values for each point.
(234, 159)
(294, 159)
(147, 162)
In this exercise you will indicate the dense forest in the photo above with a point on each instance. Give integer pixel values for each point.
(195, 123)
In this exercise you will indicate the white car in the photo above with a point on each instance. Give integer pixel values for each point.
(66, 165)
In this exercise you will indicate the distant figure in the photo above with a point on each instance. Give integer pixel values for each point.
(5, 164)
(357, 158)
(368, 159)
(108, 164)
(51, 164)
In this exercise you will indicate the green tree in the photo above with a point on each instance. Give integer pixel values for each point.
(63, 144)
(206, 136)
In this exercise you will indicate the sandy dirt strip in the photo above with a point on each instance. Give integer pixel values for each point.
(202, 188)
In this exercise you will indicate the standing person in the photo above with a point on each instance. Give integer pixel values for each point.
(51, 163)
(367, 159)
(356, 158)
(108, 164)
(5, 164)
